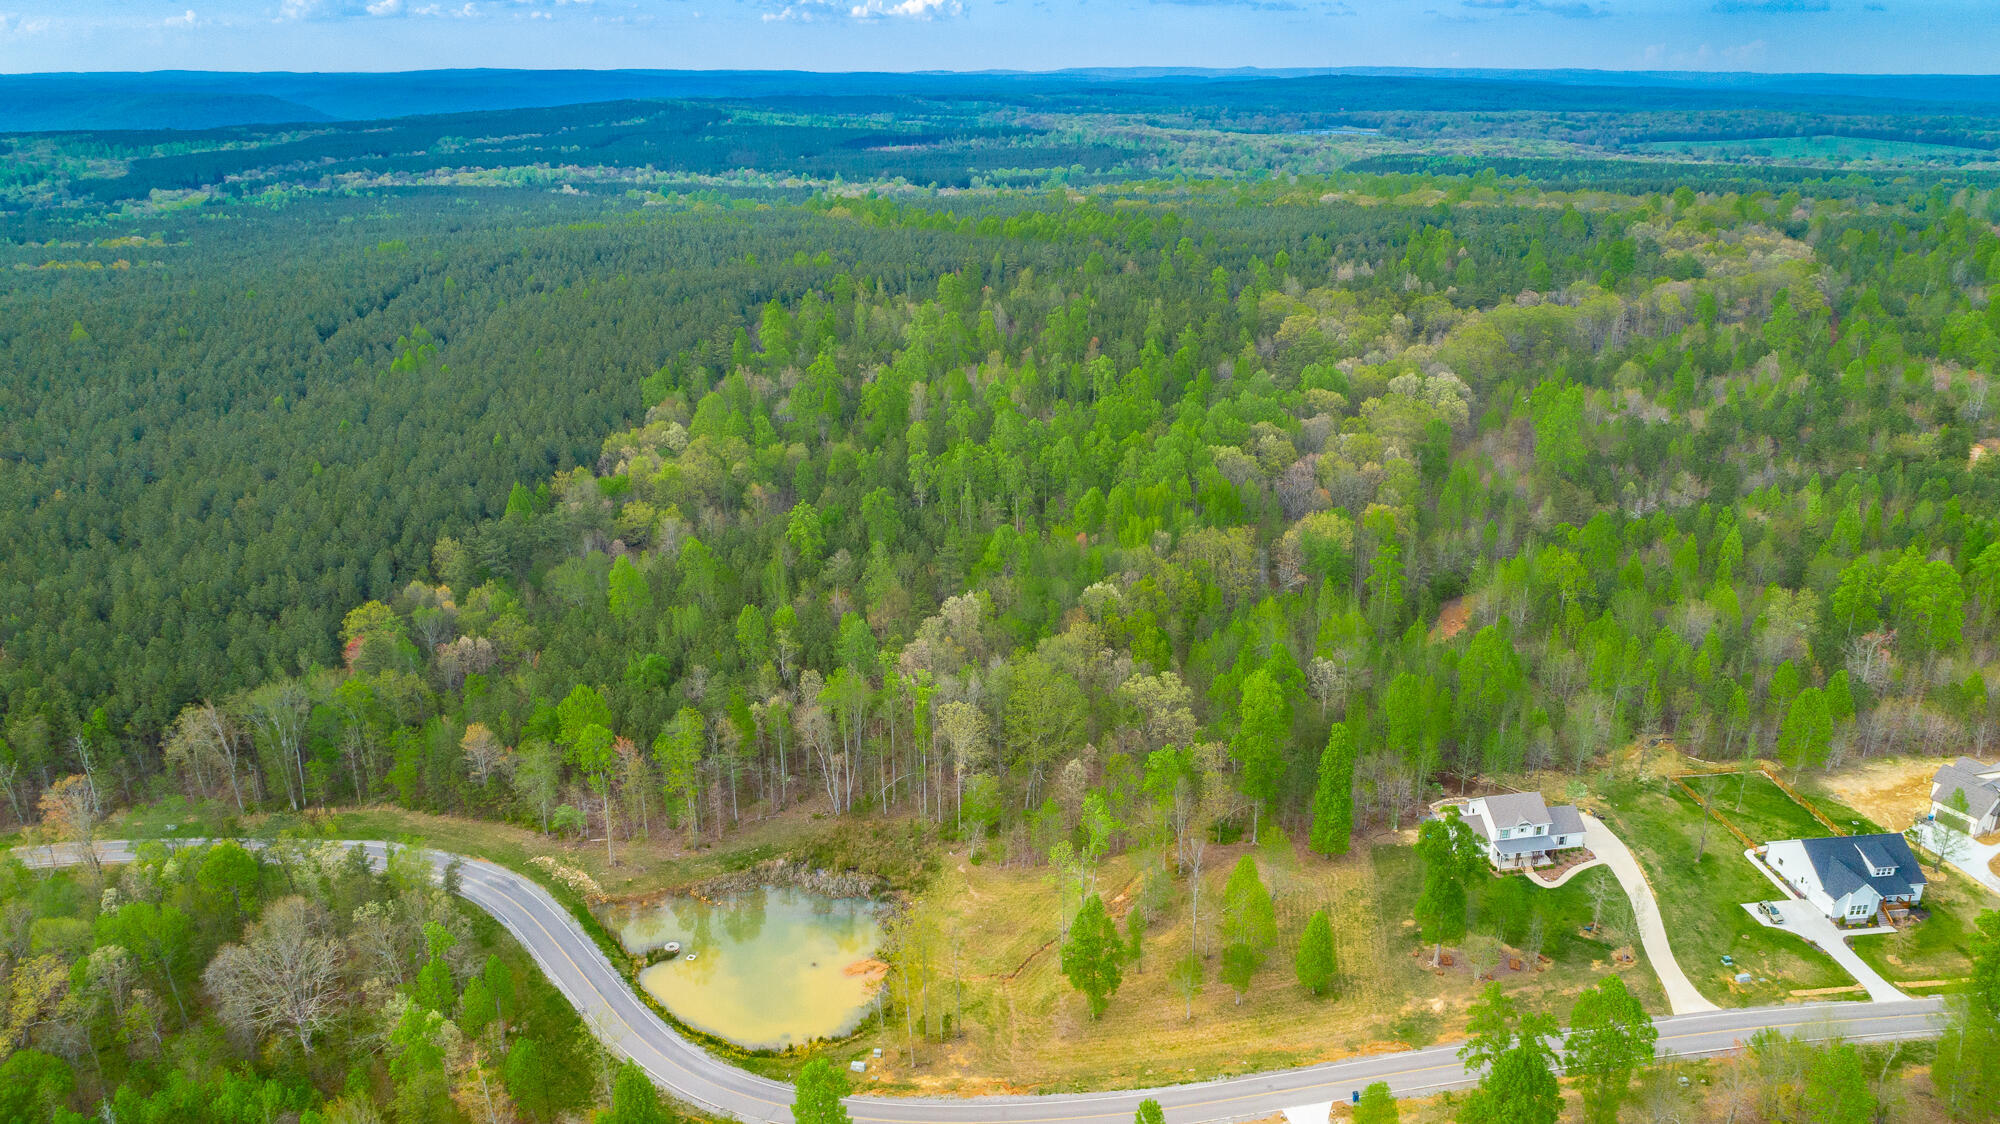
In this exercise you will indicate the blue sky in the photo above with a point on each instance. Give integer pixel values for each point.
(1878, 36)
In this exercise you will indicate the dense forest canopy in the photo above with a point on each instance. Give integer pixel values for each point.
(1695, 462)
(1063, 478)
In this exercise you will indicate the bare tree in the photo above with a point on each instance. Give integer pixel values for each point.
(205, 740)
(70, 813)
(278, 710)
(285, 976)
(1707, 789)
(483, 752)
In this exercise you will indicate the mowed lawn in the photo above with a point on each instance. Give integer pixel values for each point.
(1701, 902)
(1933, 949)
(1760, 809)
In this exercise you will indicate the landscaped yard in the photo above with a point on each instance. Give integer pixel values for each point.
(1932, 949)
(1701, 902)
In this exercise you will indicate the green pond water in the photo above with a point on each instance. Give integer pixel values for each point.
(768, 968)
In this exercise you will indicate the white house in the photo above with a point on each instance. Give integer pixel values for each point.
(1519, 830)
(1849, 877)
(1978, 784)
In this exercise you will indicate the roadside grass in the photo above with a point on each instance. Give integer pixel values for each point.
(1701, 902)
(1026, 1030)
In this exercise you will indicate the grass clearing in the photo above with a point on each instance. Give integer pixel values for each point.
(1701, 901)
(1762, 810)
(1023, 1021)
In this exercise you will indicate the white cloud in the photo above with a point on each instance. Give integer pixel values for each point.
(385, 7)
(185, 19)
(1744, 54)
(13, 25)
(808, 11)
(905, 9)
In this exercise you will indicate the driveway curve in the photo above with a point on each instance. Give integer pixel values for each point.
(1682, 996)
(629, 1028)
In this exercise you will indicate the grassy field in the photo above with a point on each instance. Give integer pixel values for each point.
(1760, 809)
(1023, 1021)
(1701, 902)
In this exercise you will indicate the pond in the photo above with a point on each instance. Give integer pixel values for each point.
(765, 969)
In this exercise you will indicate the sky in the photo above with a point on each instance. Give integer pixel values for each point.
(1844, 36)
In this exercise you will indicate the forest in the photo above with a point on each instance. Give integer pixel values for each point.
(1072, 526)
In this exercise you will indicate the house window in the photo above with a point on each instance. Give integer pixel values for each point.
(1506, 832)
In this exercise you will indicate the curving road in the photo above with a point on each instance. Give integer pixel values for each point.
(628, 1027)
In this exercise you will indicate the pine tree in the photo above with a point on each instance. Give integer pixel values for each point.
(1333, 799)
(1090, 958)
(1315, 962)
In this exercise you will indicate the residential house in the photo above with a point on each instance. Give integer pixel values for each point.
(1978, 785)
(1849, 877)
(1519, 831)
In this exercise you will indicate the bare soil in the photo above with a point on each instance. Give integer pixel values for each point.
(1452, 618)
(1891, 790)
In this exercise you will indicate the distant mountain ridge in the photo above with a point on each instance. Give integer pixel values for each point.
(193, 100)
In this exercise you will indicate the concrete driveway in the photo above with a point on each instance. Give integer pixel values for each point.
(1978, 862)
(1803, 920)
(1682, 997)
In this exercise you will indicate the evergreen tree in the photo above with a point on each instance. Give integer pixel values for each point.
(1091, 955)
(1449, 854)
(1315, 960)
(1333, 797)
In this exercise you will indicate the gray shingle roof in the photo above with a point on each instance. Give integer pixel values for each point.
(1842, 864)
(1509, 809)
(1565, 820)
(1963, 776)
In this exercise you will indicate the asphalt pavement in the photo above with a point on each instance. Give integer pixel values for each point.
(605, 999)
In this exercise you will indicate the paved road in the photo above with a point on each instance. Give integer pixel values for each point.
(605, 1000)
(1682, 996)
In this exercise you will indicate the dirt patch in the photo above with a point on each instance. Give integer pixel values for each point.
(870, 969)
(1452, 618)
(1891, 792)
(1809, 992)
